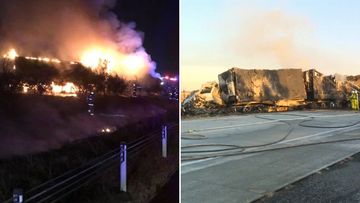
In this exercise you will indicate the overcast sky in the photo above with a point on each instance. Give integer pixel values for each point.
(217, 35)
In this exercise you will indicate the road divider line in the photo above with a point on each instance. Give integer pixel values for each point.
(197, 161)
(346, 129)
(320, 133)
(267, 122)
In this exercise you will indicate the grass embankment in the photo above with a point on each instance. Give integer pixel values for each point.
(148, 173)
(33, 123)
(28, 171)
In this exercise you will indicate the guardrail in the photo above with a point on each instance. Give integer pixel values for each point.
(61, 186)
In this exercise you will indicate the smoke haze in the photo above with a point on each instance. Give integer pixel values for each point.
(218, 35)
(274, 34)
(65, 29)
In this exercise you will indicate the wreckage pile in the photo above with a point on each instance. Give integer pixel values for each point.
(261, 85)
(255, 90)
(194, 104)
(204, 101)
(354, 80)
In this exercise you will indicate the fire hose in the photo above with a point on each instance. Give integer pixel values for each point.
(240, 150)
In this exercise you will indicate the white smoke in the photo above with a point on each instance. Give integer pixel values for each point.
(65, 29)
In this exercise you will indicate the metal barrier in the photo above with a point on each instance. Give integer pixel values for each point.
(61, 186)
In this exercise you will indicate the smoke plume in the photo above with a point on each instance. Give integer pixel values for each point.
(279, 39)
(67, 29)
(273, 34)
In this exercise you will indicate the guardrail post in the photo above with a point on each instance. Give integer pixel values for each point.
(164, 141)
(90, 101)
(18, 196)
(123, 154)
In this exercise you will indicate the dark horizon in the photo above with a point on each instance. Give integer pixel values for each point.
(159, 21)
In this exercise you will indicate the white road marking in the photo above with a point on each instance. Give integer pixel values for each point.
(265, 122)
(251, 115)
(221, 160)
(229, 127)
(285, 141)
(197, 161)
(321, 133)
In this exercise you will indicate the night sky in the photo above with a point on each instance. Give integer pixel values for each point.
(159, 21)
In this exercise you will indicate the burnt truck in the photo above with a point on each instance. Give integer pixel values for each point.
(251, 87)
(274, 90)
(326, 91)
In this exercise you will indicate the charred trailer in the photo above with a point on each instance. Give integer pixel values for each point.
(244, 87)
(325, 91)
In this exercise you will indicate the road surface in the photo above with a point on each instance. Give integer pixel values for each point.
(234, 177)
(338, 183)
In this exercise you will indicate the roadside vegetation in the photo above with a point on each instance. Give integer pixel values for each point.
(149, 171)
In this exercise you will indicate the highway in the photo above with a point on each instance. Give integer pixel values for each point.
(243, 158)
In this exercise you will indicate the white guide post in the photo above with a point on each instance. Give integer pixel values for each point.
(164, 141)
(123, 160)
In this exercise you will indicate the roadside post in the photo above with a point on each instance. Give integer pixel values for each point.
(164, 141)
(90, 102)
(18, 196)
(123, 154)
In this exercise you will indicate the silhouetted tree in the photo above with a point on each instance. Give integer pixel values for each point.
(99, 81)
(9, 82)
(35, 72)
(116, 84)
(152, 84)
(80, 76)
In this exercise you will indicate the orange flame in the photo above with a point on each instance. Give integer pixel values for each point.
(45, 59)
(114, 62)
(100, 58)
(133, 64)
(69, 89)
(97, 58)
(11, 54)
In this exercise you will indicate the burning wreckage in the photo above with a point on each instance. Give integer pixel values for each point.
(97, 50)
(256, 90)
(51, 76)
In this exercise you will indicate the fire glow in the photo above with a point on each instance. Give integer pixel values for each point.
(97, 58)
(131, 66)
(44, 59)
(68, 89)
(114, 62)
(87, 33)
(11, 54)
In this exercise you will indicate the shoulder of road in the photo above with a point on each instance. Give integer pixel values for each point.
(337, 183)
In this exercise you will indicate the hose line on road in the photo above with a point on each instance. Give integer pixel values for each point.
(198, 157)
(193, 137)
(228, 147)
(239, 150)
(302, 124)
(311, 118)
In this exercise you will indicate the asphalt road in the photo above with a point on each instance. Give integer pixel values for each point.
(232, 177)
(338, 183)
